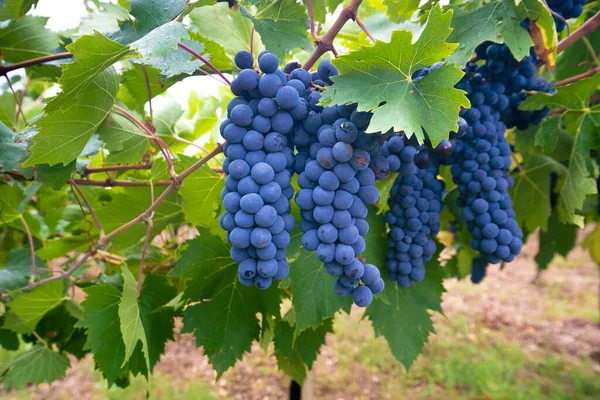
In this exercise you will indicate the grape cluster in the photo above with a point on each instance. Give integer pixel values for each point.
(480, 169)
(336, 187)
(413, 219)
(567, 9)
(505, 83)
(257, 164)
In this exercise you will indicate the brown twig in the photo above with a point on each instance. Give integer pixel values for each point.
(164, 149)
(204, 60)
(326, 43)
(4, 69)
(364, 28)
(117, 182)
(20, 102)
(146, 241)
(88, 205)
(141, 218)
(576, 78)
(19, 108)
(31, 248)
(117, 168)
(588, 27)
(311, 17)
(148, 89)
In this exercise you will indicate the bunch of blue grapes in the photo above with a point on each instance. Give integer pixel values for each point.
(414, 217)
(480, 169)
(567, 9)
(336, 187)
(258, 161)
(504, 84)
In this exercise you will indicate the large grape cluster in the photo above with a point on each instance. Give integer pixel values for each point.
(567, 9)
(258, 163)
(336, 187)
(505, 83)
(480, 169)
(413, 219)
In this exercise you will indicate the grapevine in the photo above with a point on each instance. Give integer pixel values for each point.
(342, 164)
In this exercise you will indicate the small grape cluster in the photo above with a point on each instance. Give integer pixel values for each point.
(413, 219)
(567, 9)
(478, 269)
(503, 83)
(480, 169)
(257, 164)
(336, 187)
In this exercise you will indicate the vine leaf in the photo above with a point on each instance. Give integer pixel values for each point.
(10, 150)
(543, 29)
(150, 14)
(124, 140)
(314, 299)
(398, 11)
(29, 308)
(406, 321)
(200, 195)
(281, 25)
(36, 365)
(132, 328)
(27, 38)
(93, 54)
(557, 239)
(63, 135)
(17, 270)
(8, 111)
(11, 197)
(531, 192)
(382, 74)
(15, 9)
(497, 21)
(230, 307)
(101, 321)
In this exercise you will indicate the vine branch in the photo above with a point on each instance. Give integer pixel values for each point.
(148, 89)
(174, 185)
(204, 60)
(364, 28)
(588, 27)
(579, 77)
(31, 247)
(325, 43)
(117, 168)
(88, 205)
(4, 69)
(311, 17)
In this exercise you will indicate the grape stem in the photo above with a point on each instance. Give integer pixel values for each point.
(204, 60)
(164, 149)
(31, 247)
(577, 78)
(148, 89)
(325, 44)
(173, 186)
(88, 205)
(20, 109)
(588, 27)
(311, 17)
(364, 28)
(146, 241)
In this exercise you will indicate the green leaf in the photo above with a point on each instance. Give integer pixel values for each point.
(546, 138)
(578, 57)
(10, 150)
(131, 203)
(376, 239)
(557, 239)
(150, 14)
(9, 340)
(93, 54)
(133, 91)
(17, 270)
(37, 365)
(223, 26)
(384, 187)
(382, 74)
(159, 48)
(56, 176)
(101, 321)
(497, 21)
(10, 198)
(64, 135)
(8, 110)
(281, 25)
(124, 140)
(59, 247)
(398, 11)
(15, 9)
(591, 242)
(531, 192)
(574, 97)
(314, 299)
(28, 308)
(201, 195)
(406, 321)
(132, 328)
(544, 32)
(157, 320)
(27, 38)
(230, 307)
